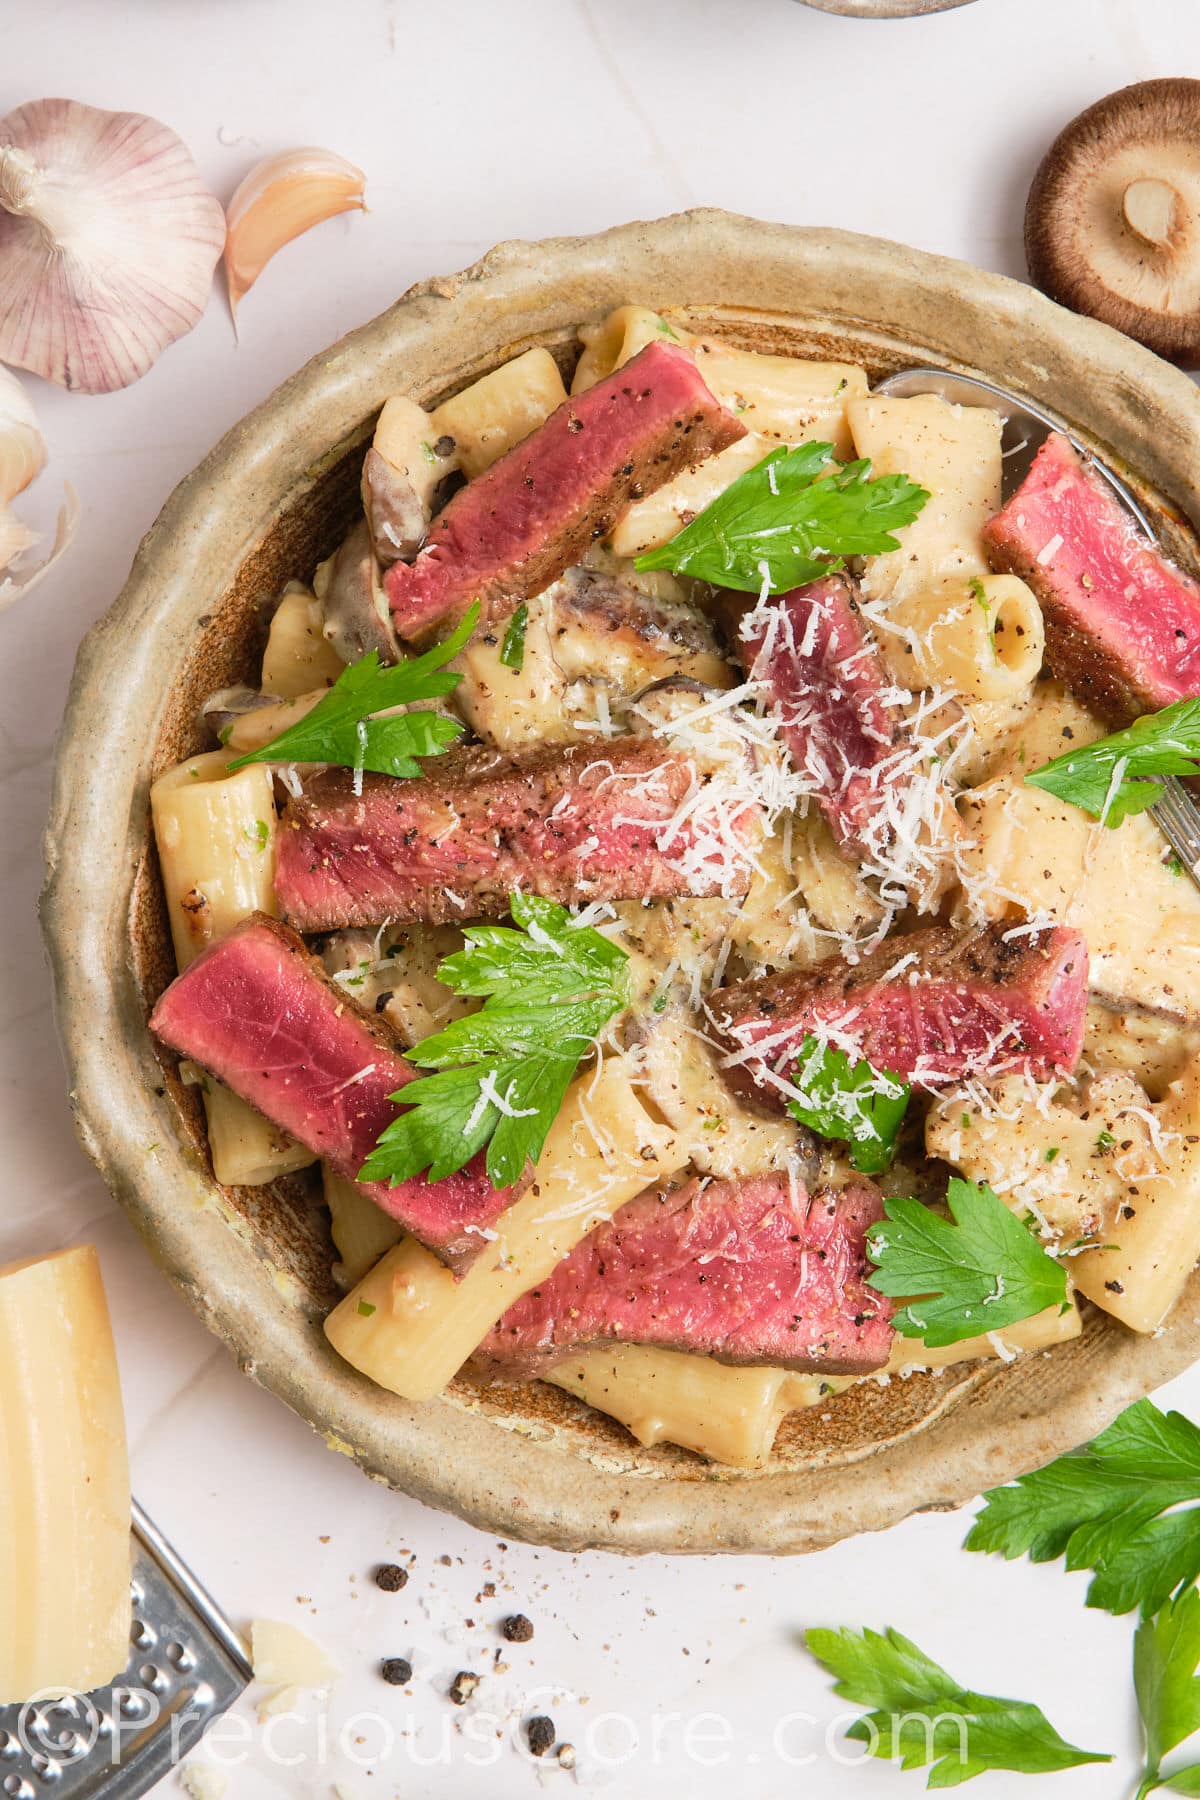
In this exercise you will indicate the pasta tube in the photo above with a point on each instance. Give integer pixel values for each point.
(1026, 848)
(298, 656)
(661, 515)
(983, 637)
(666, 1396)
(1038, 1333)
(1155, 1236)
(410, 1325)
(362, 1231)
(404, 436)
(954, 452)
(500, 409)
(782, 399)
(216, 835)
(732, 1415)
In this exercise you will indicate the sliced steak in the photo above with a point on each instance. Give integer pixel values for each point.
(746, 1272)
(1122, 623)
(818, 668)
(262, 1015)
(514, 529)
(934, 1006)
(591, 821)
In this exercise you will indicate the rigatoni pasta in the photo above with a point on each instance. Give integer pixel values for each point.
(298, 658)
(499, 409)
(902, 689)
(216, 836)
(410, 1325)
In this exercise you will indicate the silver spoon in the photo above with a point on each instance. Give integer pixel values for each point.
(1026, 428)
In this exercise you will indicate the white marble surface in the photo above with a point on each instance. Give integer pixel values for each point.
(477, 121)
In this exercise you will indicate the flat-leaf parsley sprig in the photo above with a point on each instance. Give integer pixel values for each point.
(850, 1103)
(978, 1271)
(1117, 775)
(550, 986)
(920, 1715)
(790, 519)
(346, 727)
(1110, 1507)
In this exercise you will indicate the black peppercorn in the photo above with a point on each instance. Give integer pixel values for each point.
(540, 1732)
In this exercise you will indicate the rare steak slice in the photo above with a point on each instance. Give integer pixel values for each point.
(1122, 623)
(260, 1014)
(751, 1271)
(934, 1006)
(514, 529)
(818, 669)
(610, 820)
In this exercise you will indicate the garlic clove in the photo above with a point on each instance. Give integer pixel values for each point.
(108, 240)
(284, 196)
(22, 457)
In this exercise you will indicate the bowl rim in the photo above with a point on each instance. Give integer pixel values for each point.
(498, 1474)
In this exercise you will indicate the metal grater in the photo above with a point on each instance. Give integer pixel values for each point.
(186, 1667)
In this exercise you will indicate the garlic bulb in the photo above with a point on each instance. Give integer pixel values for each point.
(279, 199)
(108, 241)
(22, 457)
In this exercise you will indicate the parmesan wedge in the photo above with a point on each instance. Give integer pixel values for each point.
(64, 1481)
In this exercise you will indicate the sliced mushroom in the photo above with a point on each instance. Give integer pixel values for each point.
(357, 616)
(592, 640)
(394, 972)
(604, 625)
(396, 519)
(405, 475)
(722, 1137)
(1112, 227)
(222, 710)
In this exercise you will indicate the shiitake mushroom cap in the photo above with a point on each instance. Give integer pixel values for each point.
(1112, 224)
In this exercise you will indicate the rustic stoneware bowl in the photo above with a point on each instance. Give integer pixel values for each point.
(271, 500)
(884, 9)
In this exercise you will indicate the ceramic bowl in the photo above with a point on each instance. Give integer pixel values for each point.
(884, 9)
(273, 498)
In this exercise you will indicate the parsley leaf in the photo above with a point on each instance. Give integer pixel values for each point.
(1113, 778)
(1102, 1508)
(779, 524)
(344, 727)
(512, 650)
(980, 1273)
(1166, 1650)
(550, 986)
(852, 1103)
(921, 1716)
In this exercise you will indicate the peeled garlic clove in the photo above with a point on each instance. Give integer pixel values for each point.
(279, 199)
(22, 457)
(108, 241)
